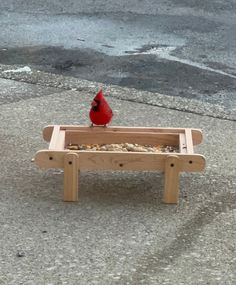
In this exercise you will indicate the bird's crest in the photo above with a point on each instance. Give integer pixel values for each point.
(99, 96)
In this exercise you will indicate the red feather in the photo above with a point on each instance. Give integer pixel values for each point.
(100, 113)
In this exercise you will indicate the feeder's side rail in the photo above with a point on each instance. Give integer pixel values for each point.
(189, 140)
(83, 137)
(182, 143)
(186, 142)
(57, 141)
(109, 160)
(196, 133)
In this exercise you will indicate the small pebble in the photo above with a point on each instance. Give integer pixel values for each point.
(20, 254)
(73, 147)
(140, 149)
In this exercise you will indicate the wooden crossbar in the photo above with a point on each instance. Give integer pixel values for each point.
(109, 160)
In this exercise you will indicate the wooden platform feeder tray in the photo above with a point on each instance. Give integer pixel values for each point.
(74, 161)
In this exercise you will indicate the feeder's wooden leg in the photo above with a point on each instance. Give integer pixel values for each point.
(71, 177)
(171, 191)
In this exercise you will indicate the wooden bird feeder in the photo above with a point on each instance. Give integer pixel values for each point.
(74, 161)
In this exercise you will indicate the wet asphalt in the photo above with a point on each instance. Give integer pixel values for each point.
(178, 48)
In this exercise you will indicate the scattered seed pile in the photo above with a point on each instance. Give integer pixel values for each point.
(123, 147)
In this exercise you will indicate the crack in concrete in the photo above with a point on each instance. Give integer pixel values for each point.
(155, 262)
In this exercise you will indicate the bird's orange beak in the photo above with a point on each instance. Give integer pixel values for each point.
(94, 103)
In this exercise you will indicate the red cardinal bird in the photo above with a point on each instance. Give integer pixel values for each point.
(100, 113)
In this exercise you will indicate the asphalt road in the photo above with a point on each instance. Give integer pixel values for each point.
(179, 48)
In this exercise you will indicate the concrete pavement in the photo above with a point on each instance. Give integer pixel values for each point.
(119, 232)
(41, 78)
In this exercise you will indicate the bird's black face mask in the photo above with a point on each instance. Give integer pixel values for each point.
(95, 105)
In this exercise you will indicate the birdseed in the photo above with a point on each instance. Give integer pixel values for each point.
(124, 147)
